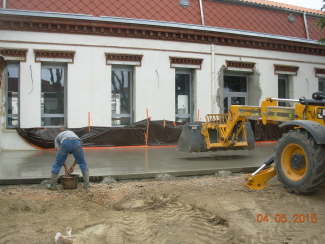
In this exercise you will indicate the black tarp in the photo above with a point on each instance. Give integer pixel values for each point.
(133, 135)
(164, 134)
(268, 132)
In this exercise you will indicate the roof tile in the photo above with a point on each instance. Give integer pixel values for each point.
(216, 13)
(285, 6)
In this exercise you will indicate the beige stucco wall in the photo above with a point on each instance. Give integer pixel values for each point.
(89, 78)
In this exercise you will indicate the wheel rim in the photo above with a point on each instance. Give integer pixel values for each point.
(294, 162)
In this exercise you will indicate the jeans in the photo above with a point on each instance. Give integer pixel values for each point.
(69, 146)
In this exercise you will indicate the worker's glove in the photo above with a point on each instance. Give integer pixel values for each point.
(71, 169)
(67, 172)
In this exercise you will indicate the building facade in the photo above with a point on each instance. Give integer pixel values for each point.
(106, 63)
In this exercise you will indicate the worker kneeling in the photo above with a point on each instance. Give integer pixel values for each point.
(65, 143)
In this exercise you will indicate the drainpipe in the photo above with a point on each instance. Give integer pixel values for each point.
(4, 4)
(202, 15)
(306, 26)
(213, 91)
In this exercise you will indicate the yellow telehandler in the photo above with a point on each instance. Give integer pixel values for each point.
(299, 155)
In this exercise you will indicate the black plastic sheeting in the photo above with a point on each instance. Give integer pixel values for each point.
(133, 135)
(163, 135)
(268, 132)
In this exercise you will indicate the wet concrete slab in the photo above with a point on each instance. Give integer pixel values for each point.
(130, 163)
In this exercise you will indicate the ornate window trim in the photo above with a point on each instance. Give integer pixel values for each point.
(14, 54)
(54, 56)
(240, 66)
(285, 69)
(125, 59)
(320, 72)
(192, 63)
(3, 65)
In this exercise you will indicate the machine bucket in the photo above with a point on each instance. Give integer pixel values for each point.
(191, 139)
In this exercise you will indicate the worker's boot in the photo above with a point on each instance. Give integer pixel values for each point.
(86, 178)
(54, 180)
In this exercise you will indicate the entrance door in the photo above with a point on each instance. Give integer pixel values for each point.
(235, 90)
(183, 95)
(121, 90)
(283, 89)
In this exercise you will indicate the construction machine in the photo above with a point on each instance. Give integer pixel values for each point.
(299, 158)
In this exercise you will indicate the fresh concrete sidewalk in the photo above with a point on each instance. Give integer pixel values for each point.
(22, 167)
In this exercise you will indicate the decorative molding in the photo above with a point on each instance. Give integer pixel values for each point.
(319, 72)
(178, 62)
(285, 69)
(3, 65)
(240, 66)
(120, 58)
(14, 54)
(54, 56)
(88, 27)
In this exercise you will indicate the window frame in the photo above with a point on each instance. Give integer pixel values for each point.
(321, 87)
(185, 71)
(287, 89)
(64, 65)
(229, 95)
(11, 64)
(124, 68)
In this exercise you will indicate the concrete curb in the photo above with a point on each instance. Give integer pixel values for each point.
(132, 176)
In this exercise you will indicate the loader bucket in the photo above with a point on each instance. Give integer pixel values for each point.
(249, 136)
(191, 139)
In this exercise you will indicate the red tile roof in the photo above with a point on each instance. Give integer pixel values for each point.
(284, 6)
(223, 14)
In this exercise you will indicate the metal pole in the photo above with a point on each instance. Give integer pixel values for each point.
(306, 25)
(213, 91)
(202, 15)
(284, 100)
(4, 4)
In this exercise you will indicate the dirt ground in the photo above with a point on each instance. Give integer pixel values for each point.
(214, 209)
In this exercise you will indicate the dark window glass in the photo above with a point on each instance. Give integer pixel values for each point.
(12, 102)
(321, 85)
(53, 96)
(282, 90)
(235, 84)
(121, 97)
(182, 97)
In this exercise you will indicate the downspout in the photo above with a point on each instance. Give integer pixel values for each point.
(213, 92)
(202, 15)
(4, 4)
(306, 26)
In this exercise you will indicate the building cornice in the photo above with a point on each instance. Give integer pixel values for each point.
(319, 72)
(129, 30)
(54, 55)
(3, 65)
(121, 58)
(14, 54)
(240, 66)
(179, 62)
(285, 69)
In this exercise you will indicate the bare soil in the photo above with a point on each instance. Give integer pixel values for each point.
(181, 210)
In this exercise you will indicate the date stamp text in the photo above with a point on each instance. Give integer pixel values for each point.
(283, 218)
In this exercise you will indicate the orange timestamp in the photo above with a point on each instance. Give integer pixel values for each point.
(296, 218)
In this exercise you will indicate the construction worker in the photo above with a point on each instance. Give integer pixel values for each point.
(67, 142)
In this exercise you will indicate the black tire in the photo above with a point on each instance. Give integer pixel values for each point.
(300, 162)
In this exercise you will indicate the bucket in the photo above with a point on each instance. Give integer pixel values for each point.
(69, 182)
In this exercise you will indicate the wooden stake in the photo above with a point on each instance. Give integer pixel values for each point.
(88, 121)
